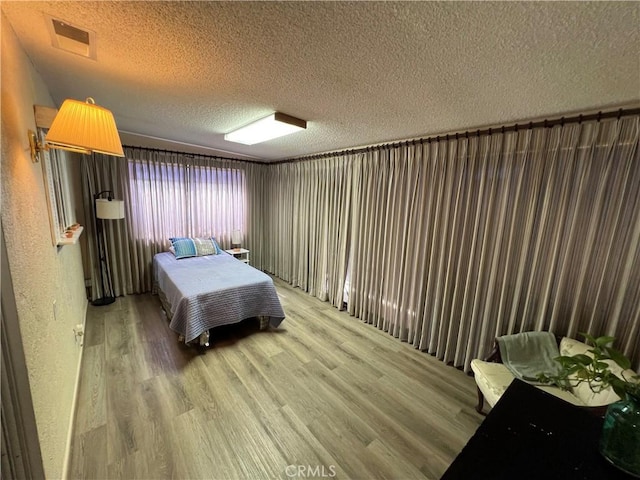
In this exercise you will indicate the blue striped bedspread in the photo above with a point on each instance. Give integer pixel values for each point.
(209, 291)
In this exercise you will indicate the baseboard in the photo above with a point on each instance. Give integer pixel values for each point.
(74, 403)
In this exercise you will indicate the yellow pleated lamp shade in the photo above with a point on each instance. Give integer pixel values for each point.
(84, 127)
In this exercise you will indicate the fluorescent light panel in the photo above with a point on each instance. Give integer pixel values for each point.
(275, 125)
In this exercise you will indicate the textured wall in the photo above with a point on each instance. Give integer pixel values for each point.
(41, 274)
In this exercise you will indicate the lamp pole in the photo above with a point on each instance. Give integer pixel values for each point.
(107, 295)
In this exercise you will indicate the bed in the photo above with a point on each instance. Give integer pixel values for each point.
(200, 293)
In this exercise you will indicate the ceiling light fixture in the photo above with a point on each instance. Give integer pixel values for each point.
(82, 127)
(275, 125)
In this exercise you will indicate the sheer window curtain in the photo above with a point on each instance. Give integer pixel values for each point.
(170, 194)
(452, 243)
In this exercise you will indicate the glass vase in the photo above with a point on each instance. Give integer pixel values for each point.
(620, 440)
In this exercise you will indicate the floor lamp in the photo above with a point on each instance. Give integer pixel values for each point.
(105, 209)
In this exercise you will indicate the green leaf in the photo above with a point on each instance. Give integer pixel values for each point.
(591, 340)
(619, 387)
(582, 359)
(603, 341)
(574, 369)
(566, 362)
(618, 357)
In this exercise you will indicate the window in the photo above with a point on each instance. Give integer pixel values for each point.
(176, 199)
(60, 200)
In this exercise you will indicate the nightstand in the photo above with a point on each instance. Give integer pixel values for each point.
(241, 254)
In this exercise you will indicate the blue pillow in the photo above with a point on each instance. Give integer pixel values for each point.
(183, 247)
(218, 249)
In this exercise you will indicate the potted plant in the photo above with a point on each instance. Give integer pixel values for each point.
(620, 440)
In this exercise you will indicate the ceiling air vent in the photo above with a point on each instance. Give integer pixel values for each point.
(71, 38)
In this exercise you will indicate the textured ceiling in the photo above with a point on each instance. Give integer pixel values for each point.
(360, 73)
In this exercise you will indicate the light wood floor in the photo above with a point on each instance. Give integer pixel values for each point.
(323, 396)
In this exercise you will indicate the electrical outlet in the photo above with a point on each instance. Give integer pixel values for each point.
(78, 331)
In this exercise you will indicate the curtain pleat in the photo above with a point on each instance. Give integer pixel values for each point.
(448, 244)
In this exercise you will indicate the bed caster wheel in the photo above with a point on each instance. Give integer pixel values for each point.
(204, 339)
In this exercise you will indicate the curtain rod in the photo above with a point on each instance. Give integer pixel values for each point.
(192, 155)
(622, 112)
(478, 132)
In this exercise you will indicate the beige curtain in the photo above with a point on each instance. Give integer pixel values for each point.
(443, 244)
(170, 194)
(309, 221)
(449, 244)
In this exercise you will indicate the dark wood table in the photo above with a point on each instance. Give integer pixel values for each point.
(530, 434)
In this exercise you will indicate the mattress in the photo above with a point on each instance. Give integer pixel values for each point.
(200, 293)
